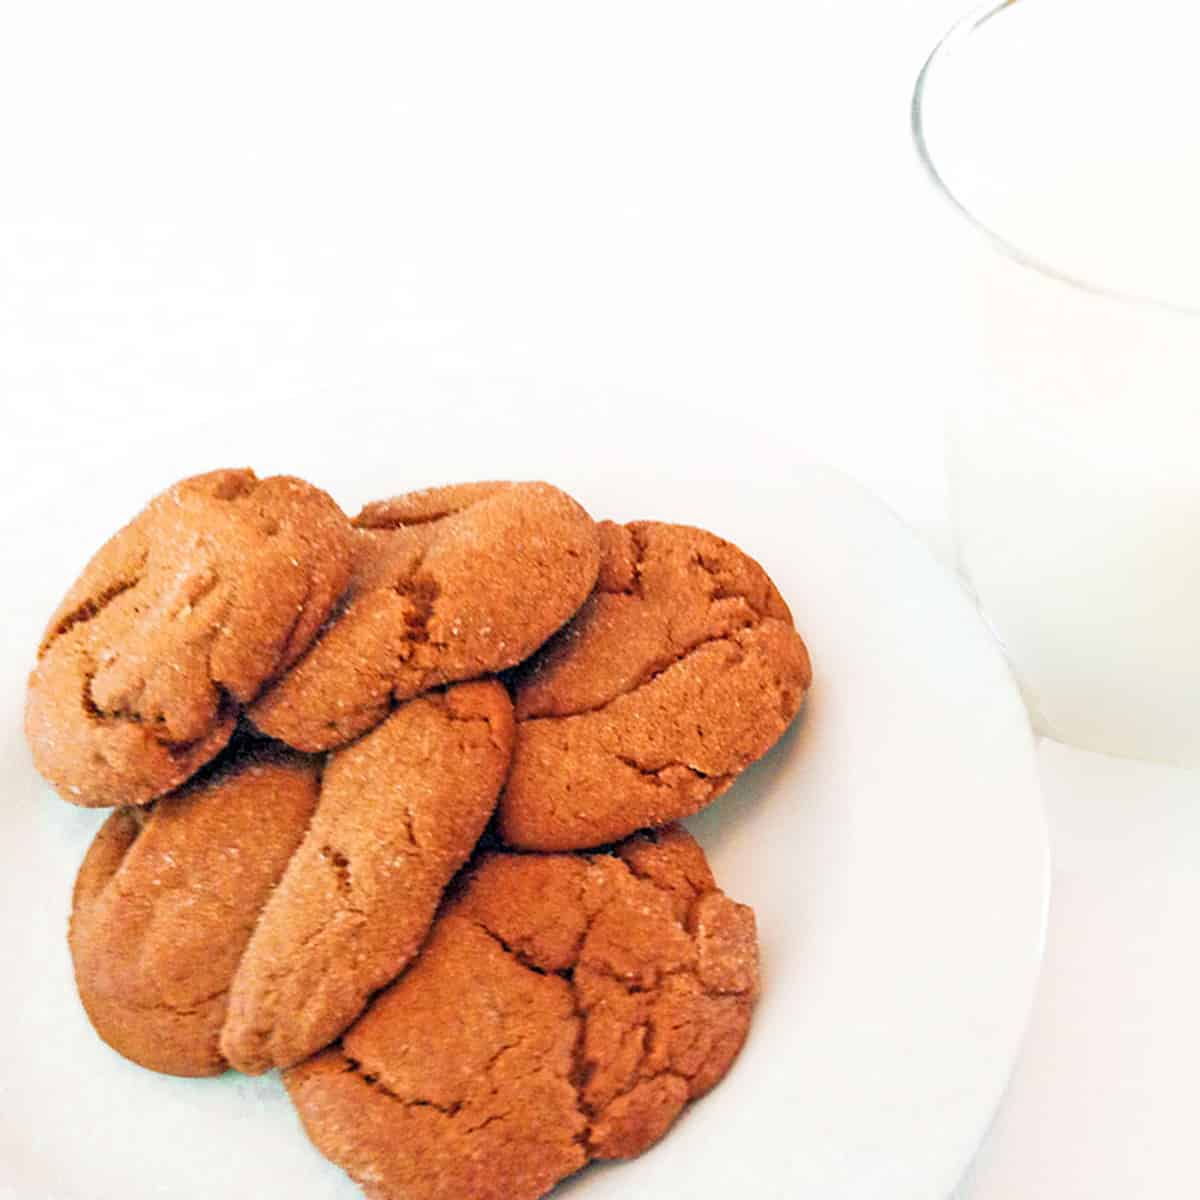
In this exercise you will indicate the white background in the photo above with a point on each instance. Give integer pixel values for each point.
(659, 239)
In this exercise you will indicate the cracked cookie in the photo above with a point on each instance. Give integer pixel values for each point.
(179, 619)
(451, 583)
(166, 900)
(682, 668)
(565, 1008)
(400, 812)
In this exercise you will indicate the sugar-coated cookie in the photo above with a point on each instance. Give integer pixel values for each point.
(565, 1008)
(400, 812)
(681, 669)
(450, 584)
(181, 617)
(166, 900)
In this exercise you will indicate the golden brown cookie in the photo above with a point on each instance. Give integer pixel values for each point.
(167, 897)
(181, 617)
(451, 583)
(565, 1008)
(400, 812)
(681, 669)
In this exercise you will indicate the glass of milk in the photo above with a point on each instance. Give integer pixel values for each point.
(1066, 134)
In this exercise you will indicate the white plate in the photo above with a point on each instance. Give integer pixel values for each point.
(893, 846)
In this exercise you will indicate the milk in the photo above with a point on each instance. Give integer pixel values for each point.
(1072, 131)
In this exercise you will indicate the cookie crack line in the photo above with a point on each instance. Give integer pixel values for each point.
(640, 1080)
(355, 1068)
(422, 591)
(92, 607)
(631, 988)
(638, 872)
(581, 1073)
(636, 989)
(655, 773)
(190, 1009)
(225, 707)
(399, 523)
(518, 956)
(494, 734)
(342, 910)
(655, 674)
(721, 592)
(636, 588)
(286, 649)
(461, 718)
(641, 546)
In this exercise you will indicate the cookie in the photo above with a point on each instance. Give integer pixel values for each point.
(400, 812)
(180, 618)
(166, 900)
(565, 1008)
(450, 584)
(681, 669)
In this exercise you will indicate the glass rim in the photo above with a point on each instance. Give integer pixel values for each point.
(953, 40)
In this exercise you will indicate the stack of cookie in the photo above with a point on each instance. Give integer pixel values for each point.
(394, 811)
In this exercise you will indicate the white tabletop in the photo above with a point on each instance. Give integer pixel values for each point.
(667, 239)
(1101, 1103)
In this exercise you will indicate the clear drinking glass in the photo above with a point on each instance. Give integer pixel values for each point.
(1066, 133)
